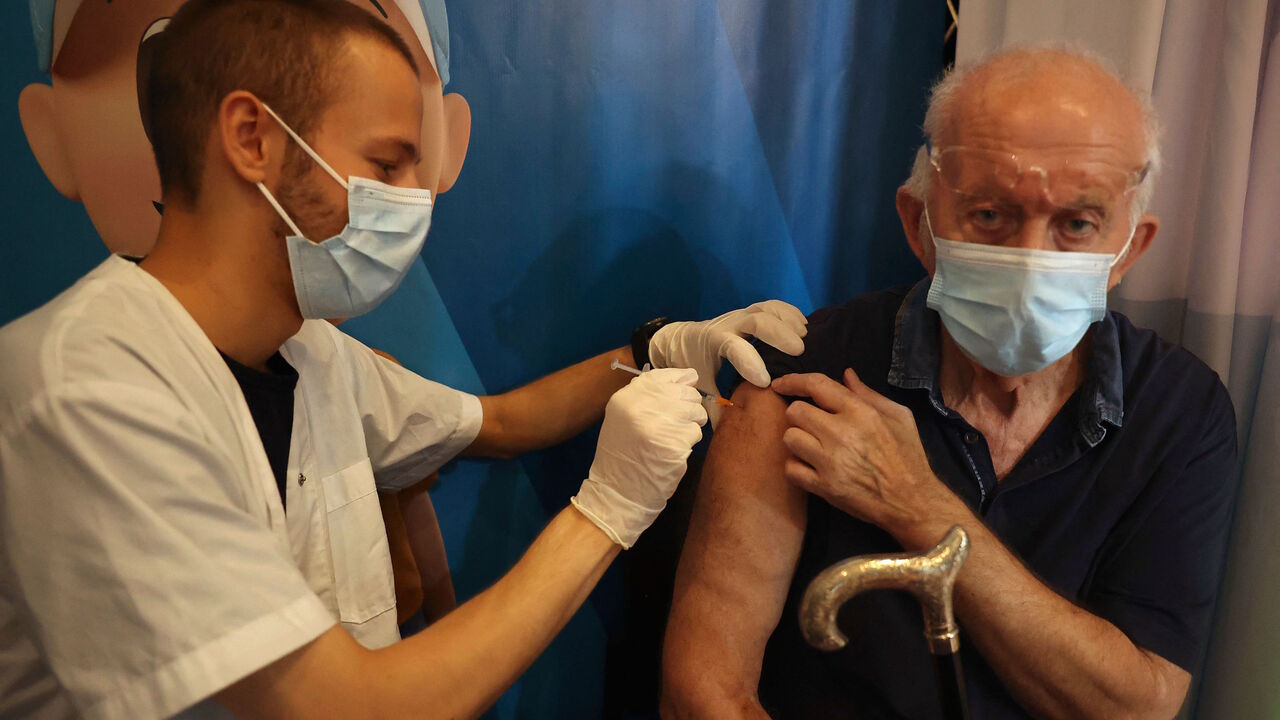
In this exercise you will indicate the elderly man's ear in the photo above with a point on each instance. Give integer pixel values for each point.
(40, 124)
(910, 209)
(457, 136)
(1142, 237)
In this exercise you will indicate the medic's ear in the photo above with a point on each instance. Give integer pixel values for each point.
(250, 141)
(457, 136)
(39, 123)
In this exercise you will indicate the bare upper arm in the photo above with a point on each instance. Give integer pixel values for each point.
(319, 679)
(741, 551)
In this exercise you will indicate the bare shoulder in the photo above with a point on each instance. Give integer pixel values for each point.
(747, 454)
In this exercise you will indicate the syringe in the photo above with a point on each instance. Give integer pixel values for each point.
(615, 365)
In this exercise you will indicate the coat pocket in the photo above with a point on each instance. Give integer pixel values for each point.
(358, 542)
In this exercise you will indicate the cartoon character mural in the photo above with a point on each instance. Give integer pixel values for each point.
(90, 138)
(87, 131)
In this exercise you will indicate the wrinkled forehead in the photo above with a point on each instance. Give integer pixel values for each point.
(1048, 114)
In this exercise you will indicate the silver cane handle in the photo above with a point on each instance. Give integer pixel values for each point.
(930, 577)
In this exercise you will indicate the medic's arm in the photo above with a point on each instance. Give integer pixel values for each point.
(564, 404)
(460, 665)
(739, 556)
(551, 410)
(457, 667)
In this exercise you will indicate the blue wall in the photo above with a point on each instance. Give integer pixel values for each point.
(628, 159)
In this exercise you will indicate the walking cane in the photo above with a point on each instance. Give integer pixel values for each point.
(930, 577)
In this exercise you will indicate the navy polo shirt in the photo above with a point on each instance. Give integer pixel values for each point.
(1121, 505)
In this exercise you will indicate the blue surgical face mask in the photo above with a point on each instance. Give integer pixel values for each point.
(1013, 310)
(351, 272)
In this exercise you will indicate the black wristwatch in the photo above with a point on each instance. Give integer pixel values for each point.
(641, 337)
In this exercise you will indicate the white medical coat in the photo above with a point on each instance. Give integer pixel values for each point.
(146, 561)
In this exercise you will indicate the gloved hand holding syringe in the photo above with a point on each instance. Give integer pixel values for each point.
(705, 395)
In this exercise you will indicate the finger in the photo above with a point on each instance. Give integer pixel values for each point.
(801, 475)
(682, 393)
(746, 361)
(829, 394)
(804, 415)
(775, 331)
(677, 376)
(667, 392)
(698, 413)
(804, 446)
(786, 312)
(691, 434)
(867, 395)
(685, 409)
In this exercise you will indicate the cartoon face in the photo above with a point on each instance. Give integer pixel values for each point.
(87, 132)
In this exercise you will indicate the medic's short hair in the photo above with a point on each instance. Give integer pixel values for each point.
(50, 20)
(291, 54)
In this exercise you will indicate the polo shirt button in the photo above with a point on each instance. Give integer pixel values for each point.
(301, 479)
(971, 437)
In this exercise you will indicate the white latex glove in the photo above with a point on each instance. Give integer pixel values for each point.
(701, 345)
(650, 427)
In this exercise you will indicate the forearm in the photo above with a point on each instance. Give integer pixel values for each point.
(462, 664)
(1057, 659)
(551, 410)
(427, 543)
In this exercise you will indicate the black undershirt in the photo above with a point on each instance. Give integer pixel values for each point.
(270, 399)
(1131, 525)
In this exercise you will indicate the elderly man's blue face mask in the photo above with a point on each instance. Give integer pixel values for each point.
(1014, 310)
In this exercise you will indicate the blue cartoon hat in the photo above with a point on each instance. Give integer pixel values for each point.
(50, 20)
(430, 23)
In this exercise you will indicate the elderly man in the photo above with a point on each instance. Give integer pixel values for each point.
(1091, 463)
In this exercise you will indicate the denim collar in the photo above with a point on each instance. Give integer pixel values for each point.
(917, 354)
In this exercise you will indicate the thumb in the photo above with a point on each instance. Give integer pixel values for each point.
(747, 361)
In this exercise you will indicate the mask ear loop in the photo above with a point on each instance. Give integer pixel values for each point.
(280, 210)
(303, 144)
(1124, 250)
(1127, 244)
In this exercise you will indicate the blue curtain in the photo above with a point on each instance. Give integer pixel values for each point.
(627, 160)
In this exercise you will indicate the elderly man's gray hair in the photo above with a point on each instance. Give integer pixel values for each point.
(942, 99)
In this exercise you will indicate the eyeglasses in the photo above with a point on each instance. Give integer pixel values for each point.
(981, 173)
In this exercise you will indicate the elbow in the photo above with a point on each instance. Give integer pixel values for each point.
(1164, 706)
(503, 453)
(1167, 691)
(497, 439)
(1161, 700)
(692, 694)
(689, 701)
(681, 695)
